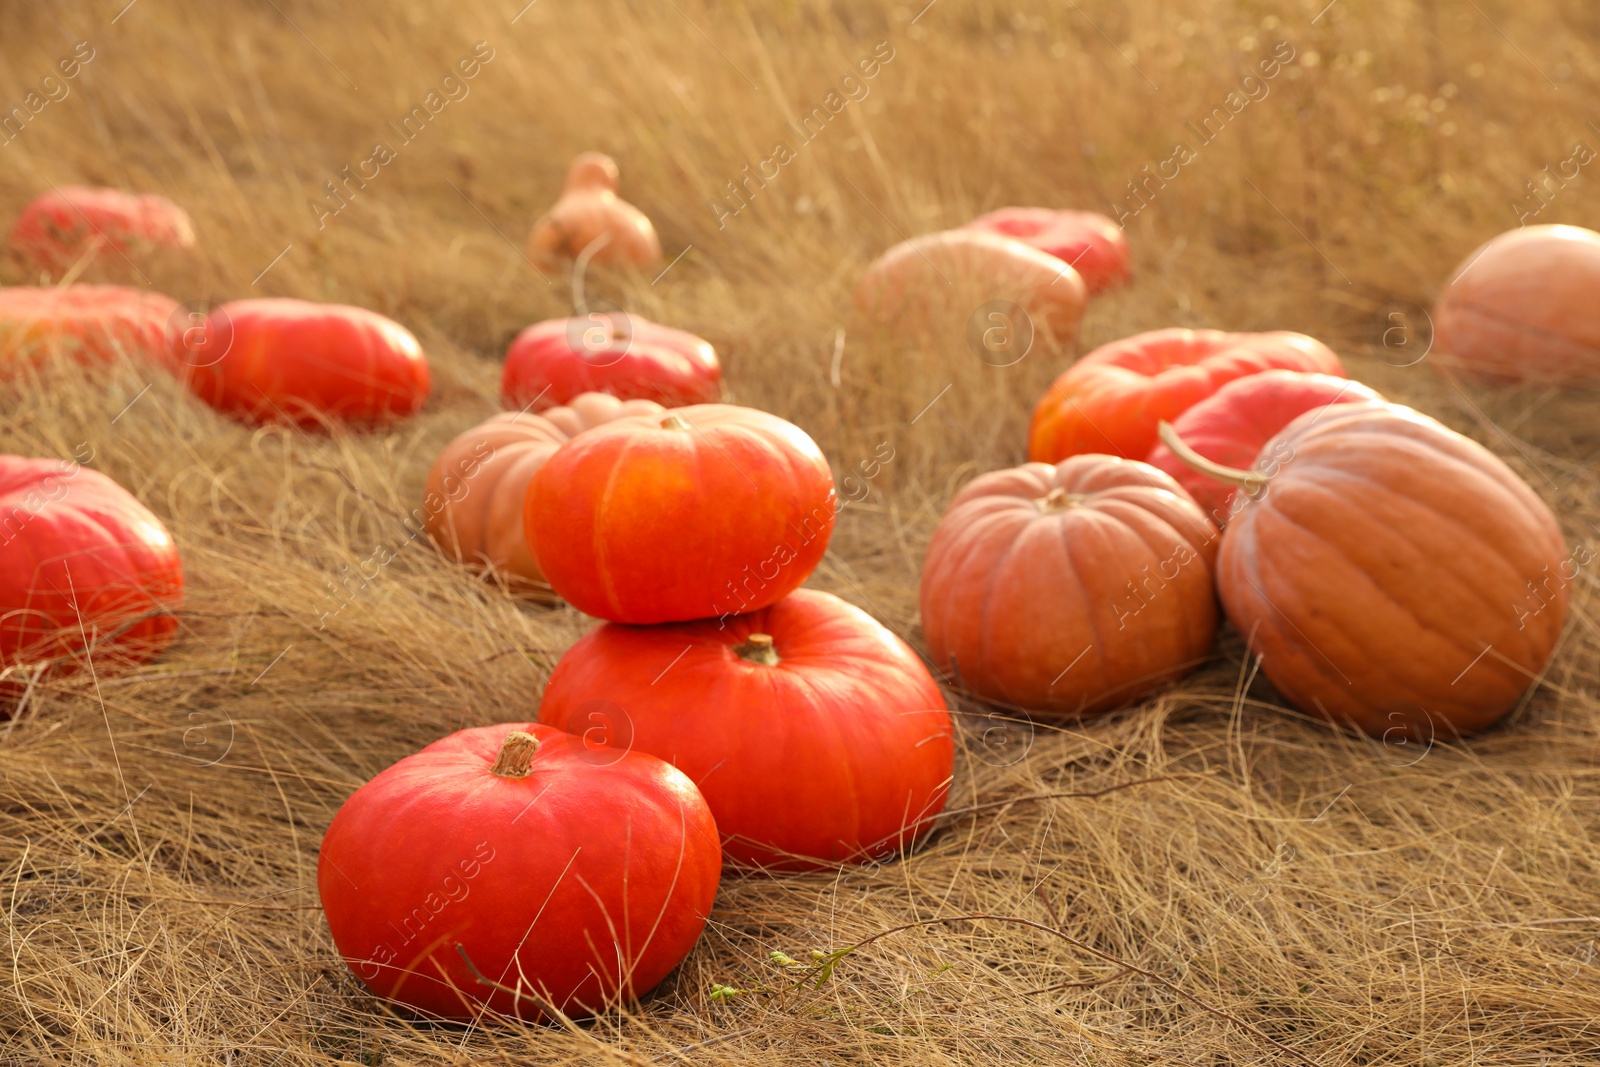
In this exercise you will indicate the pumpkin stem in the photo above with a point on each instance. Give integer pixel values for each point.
(1058, 499)
(516, 752)
(757, 648)
(1251, 483)
(675, 422)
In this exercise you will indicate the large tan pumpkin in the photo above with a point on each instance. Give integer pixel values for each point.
(1524, 307)
(474, 499)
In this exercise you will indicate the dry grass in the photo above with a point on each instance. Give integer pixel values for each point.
(1360, 903)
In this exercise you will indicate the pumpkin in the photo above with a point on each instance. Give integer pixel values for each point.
(702, 511)
(1071, 589)
(278, 360)
(590, 211)
(81, 557)
(505, 869)
(941, 279)
(88, 323)
(1392, 574)
(551, 362)
(1231, 426)
(815, 734)
(1091, 242)
(57, 228)
(472, 506)
(1522, 308)
(1113, 399)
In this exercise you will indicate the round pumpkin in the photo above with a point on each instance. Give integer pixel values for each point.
(816, 735)
(1070, 590)
(551, 362)
(472, 506)
(1395, 575)
(57, 228)
(1091, 242)
(1231, 426)
(87, 323)
(590, 210)
(81, 557)
(505, 868)
(279, 360)
(1113, 399)
(941, 279)
(1522, 308)
(699, 512)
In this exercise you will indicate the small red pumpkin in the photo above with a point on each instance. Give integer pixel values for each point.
(81, 557)
(472, 506)
(1091, 242)
(1113, 399)
(507, 868)
(704, 511)
(1071, 589)
(816, 735)
(88, 323)
(1522, 308)
(57, 228)
(590, 216)
(1231, 426)
(629, 357)
(278, 360)
(1392, 574)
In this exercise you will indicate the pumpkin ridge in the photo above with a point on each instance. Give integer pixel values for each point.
(989, 589)
(1548, 335)
(1155, 550)
(1096, 640)
(602, 503)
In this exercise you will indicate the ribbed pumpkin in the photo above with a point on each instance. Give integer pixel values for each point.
(551, 362)
(1522, 308)
(87, 323)
(59, 227)
(472, 506)
(1113, 399)
(590, 210)
(1071, 589)
(1395, 575)
(1094, 244)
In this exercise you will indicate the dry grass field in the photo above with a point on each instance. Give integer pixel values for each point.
(1236, 884)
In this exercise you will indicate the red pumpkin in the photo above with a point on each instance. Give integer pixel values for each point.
(1393, 574)
(1091, 242)
(279, 360)
(705, 511)
(57, 228)
(506, 868)
(88, 323)
(472, 506)
(80, 558)
(816, 735)
(1522, 308)
(1231, 426)
(590, 216)
(1070, 590)
(1113, 399)
(629, 357)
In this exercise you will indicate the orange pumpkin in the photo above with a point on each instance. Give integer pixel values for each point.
(57, 228)
(472, 507)
(1391, 573)
(1094, 244)
(589, 209)
(89, 323)
(1522, 308)
(1070, 589)
(941, 279)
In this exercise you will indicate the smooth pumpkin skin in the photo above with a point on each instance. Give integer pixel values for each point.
(306, 363)
(89, 323)
(73, 541)
(841, 752)
(1231, 427)
(1381, 560)
(57, 228)
(940, 279)
(595, 879)
(472, 505)
(551, 362)
(698, 512)
(1114, 399)
(1070, 590)
(1522, 308)
(1093, 243)
(589, 209)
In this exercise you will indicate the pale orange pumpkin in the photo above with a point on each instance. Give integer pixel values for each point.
(590, 211)
(473, 504)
